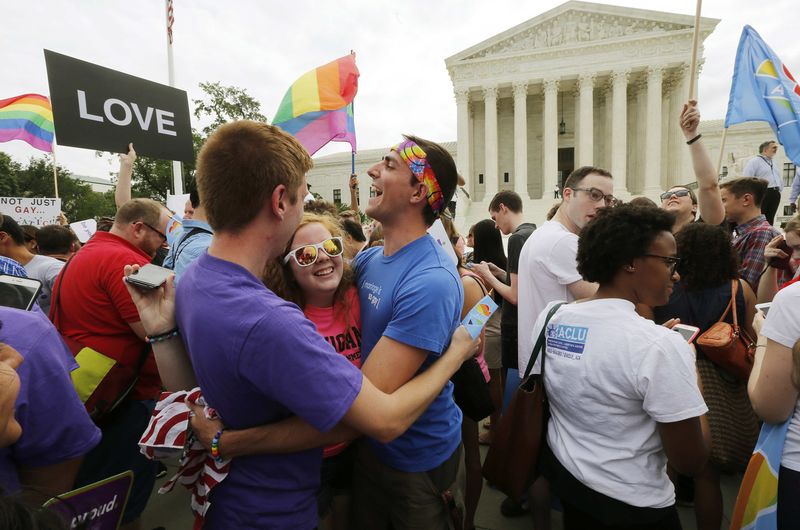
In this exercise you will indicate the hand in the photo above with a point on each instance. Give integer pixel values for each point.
(156, 306)
(772, 250)
(62, 219)
(758, 321)
(669, 324)
(127, 160)
(10, 429)
(353, 181)
(498, 273)
(466, 345)
(690, 119)
(482, 269)
(204, 428)
(10, 356)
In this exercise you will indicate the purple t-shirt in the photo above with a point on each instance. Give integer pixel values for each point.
(259, 360)
(55, 425)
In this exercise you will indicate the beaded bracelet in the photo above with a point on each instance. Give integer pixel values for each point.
(174, 332)
(693, 140)
(215, 454)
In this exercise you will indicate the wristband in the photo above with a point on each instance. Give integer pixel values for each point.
(174, 332)
(215, 454)
(693, 140)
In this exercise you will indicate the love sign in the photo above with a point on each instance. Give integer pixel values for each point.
(99, 108)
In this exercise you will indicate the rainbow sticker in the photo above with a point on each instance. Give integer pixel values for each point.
(479, 315)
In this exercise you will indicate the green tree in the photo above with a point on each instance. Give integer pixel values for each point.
(224, 104)
(8, 176)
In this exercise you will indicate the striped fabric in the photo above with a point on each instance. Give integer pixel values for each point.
(168, 434)
(29, 118)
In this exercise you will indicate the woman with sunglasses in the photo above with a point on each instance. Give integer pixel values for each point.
(313, 275)
(622, 390)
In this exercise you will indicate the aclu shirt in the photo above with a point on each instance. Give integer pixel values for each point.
(611, 376)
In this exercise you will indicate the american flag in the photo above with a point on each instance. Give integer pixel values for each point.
(170, 20)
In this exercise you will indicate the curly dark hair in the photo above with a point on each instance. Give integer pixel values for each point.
(616, 236)
(708, 258)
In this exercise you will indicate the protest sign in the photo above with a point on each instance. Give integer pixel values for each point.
(439, 234)
(98, 506)
(84, 229)
(99, 108)
(176, 203)
(34, 211)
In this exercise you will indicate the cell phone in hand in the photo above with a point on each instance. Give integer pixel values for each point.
(764, 308)
(689, 333)
(19, 293)
(149, 276)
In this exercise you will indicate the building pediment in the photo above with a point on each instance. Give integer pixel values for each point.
(579, 24)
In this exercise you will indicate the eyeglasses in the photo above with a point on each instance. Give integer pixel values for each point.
(678, 193)
(671, 261)
(597, 195)
(160, 233)
(307, 254)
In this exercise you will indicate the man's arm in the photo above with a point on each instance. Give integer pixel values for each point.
(582, 289)
(508, 292)
(709, 199)
(795, 193)
(43, 483)
(122, 191)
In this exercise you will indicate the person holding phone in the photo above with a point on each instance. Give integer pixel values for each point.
(708, 266)
(778, 256)
(622, 390)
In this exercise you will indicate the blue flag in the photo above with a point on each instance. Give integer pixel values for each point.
(763, 89)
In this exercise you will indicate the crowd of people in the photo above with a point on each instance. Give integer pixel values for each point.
(326, 346)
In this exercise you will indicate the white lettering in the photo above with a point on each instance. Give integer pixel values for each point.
(107, 111)
(82, 108)
(161, 120)
(143, 122)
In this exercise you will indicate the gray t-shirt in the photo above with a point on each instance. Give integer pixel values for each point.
(45, 269)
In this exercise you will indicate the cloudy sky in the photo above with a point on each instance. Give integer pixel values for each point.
(263, 46)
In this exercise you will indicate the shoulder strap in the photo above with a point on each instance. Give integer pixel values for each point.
(57, 294)
(732, 304)
(478, 280)
(540, 342)
(193, 232)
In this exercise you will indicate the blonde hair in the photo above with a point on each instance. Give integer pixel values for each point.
(793, 225)
(278, 276)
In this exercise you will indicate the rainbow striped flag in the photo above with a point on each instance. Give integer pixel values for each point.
(28, 117)
(318, 107)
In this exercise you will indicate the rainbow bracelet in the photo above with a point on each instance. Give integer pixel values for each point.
(215, 454)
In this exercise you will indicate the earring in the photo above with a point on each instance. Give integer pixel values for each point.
(630, 268)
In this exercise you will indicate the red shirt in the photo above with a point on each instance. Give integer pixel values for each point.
(95, 308)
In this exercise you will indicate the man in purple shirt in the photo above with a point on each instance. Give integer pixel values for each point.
(256, 357)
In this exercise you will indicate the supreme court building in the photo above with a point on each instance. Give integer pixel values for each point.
(581, 84)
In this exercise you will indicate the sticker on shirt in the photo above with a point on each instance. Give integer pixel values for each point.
(566, 341)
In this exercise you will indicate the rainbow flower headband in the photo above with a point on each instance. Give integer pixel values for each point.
(417, 161)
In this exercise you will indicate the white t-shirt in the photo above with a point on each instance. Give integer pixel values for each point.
(45, 269)
(546, 266)
(610, 376)
(783, 326)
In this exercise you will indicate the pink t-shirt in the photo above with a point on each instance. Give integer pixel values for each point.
(340, 326)
(481, 360)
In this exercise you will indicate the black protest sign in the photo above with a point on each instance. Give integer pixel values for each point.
(99, 108)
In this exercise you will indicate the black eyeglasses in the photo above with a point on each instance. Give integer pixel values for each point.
(159, 232)
(678, 193)
(597, 195)
(671, 261)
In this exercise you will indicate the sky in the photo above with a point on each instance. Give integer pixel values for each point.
(263, 46)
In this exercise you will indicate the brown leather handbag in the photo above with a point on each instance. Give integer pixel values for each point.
(728, 345)
(511, 464)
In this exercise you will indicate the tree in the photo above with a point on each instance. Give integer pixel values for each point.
(224, 104)
(9, 186)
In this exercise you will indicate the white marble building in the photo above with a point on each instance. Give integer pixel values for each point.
(582, 84)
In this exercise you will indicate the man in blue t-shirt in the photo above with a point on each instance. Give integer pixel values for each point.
(258, 360)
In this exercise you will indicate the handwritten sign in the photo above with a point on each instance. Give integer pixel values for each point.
(84, 229)
(31, 210)
(98, 506)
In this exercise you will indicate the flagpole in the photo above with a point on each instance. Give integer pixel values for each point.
(55, 171)
(721, 151)
(695, 46)
(177, 171)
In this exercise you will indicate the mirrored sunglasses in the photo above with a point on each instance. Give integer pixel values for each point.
(307, 255)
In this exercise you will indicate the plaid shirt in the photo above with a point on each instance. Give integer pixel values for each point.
(11, 267)
(751, 238)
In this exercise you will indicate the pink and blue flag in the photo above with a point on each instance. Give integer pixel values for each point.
(763, 89)
(318, 107)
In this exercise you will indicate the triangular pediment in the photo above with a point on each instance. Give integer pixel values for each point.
(579, 23)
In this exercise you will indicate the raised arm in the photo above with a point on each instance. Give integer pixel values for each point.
(122, 192)
(768, 284)
(708, 195)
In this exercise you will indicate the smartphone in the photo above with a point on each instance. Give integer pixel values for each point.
(782, 263)
(687, 332)
(764, 308)
(19, 293)
(149, 276)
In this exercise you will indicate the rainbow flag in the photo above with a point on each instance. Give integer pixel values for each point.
(28, 117)
(318, 107)
(757, 501)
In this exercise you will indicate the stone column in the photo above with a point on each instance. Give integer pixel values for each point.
(464, 156)
(619, 131)
(490, 171)
(652, 161)
(608, 118)
(550, 137)
(521, 139)
(586, 121)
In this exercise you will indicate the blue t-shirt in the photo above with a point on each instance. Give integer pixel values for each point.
(259, 360)
(55, 424)
(415, 297)
(184, 251)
